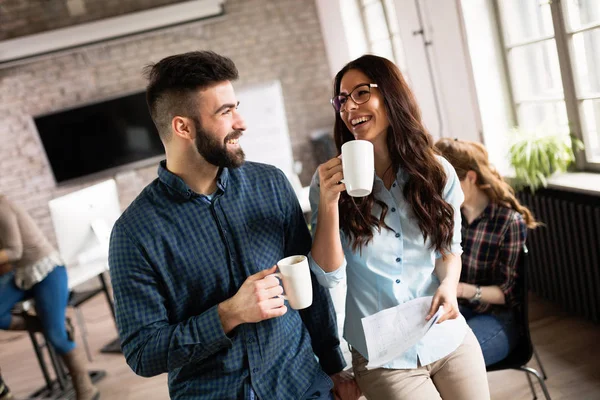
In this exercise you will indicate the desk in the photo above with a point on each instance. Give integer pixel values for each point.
(79, 274)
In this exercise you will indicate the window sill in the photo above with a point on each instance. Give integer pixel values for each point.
(578, 182)
(582, 182)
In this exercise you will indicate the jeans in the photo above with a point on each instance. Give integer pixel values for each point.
(50, 295)
(496, 333)
(320, 389)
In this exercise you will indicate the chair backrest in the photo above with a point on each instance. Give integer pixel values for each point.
(523, 351)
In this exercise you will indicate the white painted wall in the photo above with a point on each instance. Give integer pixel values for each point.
(453, 77)
(490, 80)
(458, 114)
(342, 31)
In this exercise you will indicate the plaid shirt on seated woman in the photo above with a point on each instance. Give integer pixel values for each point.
(491, 246)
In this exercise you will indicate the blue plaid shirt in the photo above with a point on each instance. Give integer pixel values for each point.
(175, 255)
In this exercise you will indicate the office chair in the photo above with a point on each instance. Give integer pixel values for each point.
(524, 350)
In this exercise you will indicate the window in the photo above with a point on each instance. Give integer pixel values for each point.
(382, 31)
(582, 29)
(552, 53)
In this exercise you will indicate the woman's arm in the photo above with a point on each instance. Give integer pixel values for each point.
(448, 266)
(10, 235)
(6, 268)
(513, 241)
(327, 249)
(489, 294)
(447, 269)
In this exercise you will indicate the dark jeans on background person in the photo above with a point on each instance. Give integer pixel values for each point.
(320, 389)
(496, 333)
(50, 295)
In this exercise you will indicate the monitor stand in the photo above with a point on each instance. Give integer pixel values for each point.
(102, 233)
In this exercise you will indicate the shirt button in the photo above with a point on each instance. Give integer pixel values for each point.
(393, 209)
(397, 235)
(394, 185)
(255, 370)
(398, 259)
(251, 340)
(397, 280)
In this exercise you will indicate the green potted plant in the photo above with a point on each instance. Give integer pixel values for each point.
(536, 155)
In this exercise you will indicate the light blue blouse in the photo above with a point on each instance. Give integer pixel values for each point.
(395, 267)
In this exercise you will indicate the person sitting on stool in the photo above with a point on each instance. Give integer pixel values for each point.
(31, 267)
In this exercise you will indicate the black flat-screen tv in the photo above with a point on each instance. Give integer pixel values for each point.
(99, 137)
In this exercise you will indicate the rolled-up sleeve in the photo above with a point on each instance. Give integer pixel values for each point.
(327, 279)
(454, 196)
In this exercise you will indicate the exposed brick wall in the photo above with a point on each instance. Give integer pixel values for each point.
(26, 17)
(267, 39)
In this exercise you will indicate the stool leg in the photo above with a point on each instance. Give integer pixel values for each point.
(40, 357)
(58, 369)
(83, 330)
(537, 358)
(531, 387)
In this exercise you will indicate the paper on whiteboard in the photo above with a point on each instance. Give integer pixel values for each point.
(391, 332)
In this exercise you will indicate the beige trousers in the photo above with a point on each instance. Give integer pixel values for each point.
(459, 376)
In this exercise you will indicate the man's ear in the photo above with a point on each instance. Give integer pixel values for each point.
(472, 176)
(183, 127)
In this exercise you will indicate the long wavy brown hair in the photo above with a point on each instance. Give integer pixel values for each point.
(468, 156)
(411, 148)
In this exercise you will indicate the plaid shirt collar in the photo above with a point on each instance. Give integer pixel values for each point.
(181, 188)
(488, 213)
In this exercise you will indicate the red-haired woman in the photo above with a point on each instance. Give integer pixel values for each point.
(494, 228)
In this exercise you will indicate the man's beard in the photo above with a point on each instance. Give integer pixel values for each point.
(215, 152)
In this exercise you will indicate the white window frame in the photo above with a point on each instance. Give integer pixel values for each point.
(394, 37)
(562, 39)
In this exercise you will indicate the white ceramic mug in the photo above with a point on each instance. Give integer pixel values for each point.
(297, 285)
(358, 164)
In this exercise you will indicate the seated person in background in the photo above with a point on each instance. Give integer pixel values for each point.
(30, 267)
(494, 228)
(190, 258)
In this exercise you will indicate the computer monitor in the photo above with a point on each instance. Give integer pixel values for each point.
(83, 221)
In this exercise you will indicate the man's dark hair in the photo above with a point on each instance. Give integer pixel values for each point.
(174, 81)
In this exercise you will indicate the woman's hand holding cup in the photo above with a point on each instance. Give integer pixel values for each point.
(330, 177)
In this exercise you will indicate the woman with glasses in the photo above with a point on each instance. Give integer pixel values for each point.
(494, 228)
(399, 243)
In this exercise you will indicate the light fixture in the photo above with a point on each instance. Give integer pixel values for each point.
(22, 49)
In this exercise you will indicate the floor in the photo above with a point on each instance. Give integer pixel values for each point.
(566, 345)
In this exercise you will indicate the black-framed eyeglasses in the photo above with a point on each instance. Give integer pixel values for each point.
(359, 95)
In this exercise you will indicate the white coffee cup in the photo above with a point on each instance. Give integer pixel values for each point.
(297, 285)
(358, 164)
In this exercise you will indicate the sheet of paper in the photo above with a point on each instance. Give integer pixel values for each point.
(391, 332)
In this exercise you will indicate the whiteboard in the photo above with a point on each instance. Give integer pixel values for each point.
(266, 138)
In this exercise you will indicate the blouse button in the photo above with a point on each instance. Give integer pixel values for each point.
(398, 259)
(397, 235)
(393, 209)
(397, 280)
(394, 185)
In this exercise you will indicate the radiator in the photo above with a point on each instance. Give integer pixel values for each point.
(564, 260)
